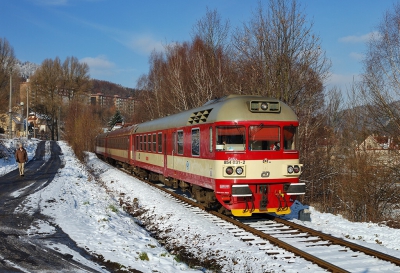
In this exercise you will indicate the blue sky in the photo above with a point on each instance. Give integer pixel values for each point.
(115, 38)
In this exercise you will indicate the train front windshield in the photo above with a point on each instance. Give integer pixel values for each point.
(231, 138)
(260, 138)
(265, 137)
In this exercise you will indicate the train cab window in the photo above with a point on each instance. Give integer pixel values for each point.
(263, 138)
(290, 138)
(137, 143)
(230, 138)
(196, 142)
(160, 142)
(179, 142)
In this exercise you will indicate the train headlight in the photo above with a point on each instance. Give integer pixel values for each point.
(239, 170)
(290, 169)
(264, 106)
(296, 169)
(229, 170)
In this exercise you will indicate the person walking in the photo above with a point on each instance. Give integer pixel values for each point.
(21, 156)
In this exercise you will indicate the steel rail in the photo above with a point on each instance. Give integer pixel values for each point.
(339, 241)
(275, 241)
(323, 264)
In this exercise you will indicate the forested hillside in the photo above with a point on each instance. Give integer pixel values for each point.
(27, 69)
(110, 89)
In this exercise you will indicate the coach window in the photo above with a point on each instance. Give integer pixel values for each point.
(160, 142)
(262, 138)
(144, 147)
(179, 143)
(195, 142)
(289, 138)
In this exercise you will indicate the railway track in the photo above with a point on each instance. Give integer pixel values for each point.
(284, 239)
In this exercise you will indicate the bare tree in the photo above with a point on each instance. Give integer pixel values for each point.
(7, 68)
(183, 77)
(279, 55)
(188, 74)
(53, 81)
(381, 79)
(45, 87)
(82, 125)
(212, 31)
(176, 77)
(369, 190)
(211, 63)
(75, 79)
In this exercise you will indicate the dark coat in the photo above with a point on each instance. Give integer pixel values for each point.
(21, 155)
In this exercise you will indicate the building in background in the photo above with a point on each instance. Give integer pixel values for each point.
(24, 98)
(124, 105)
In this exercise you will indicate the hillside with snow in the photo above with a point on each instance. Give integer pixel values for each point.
(26, 69)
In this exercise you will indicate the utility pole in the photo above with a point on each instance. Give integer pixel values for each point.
(9, 109)
(27, 110)
(21, 132)
(58, 123)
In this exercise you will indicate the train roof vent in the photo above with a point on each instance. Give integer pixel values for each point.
(199, 117)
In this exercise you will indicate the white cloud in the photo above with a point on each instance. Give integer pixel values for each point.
(140, 43)
(57, 2)
(145, 44)
(99, 65)
(357, 56)
(342, 81)
(51, 2)
(359, 39)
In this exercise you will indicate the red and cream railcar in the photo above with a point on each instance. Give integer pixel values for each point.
(237, 151)
(115, 146)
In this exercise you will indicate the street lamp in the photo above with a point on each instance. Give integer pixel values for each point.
(21, 119)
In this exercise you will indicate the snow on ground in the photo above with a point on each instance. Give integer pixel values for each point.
(90, 213)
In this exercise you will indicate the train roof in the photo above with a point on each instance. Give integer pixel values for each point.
(118, 132)
(229, 108)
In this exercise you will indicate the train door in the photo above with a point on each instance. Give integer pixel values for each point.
(132, 148)
(164, 151)
(173, 139)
